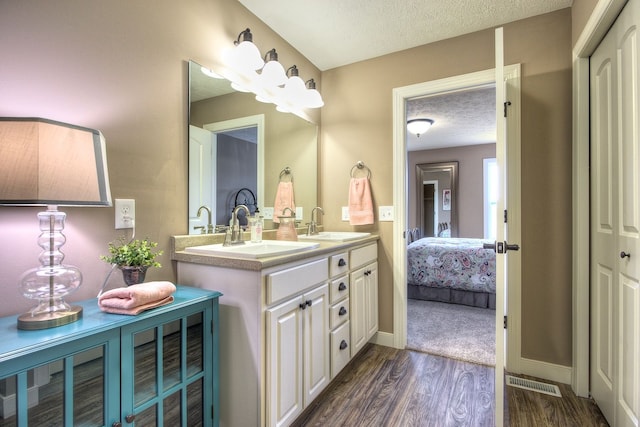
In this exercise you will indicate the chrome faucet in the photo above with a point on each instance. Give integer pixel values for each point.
(235, 237)
(312, 228)
(209, 224)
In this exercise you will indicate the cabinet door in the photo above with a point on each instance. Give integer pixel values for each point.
(166, 377)
(317, 372)
(358, 310)
(371, 299)
(284, 362)
(364, 306)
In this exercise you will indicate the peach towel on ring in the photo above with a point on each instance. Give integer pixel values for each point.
(284, 199)
(360, 202)
(135, 299)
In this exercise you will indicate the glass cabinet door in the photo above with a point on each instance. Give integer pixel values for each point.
(168, 373)
(68, 391)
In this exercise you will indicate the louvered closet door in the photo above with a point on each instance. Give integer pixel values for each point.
(615, 223)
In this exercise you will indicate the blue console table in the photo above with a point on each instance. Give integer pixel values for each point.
(159, 368)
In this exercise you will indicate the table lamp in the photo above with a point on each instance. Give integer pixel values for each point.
(49, 163)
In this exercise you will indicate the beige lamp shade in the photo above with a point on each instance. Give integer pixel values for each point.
(43, 162)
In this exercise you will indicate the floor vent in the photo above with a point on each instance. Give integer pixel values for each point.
(537, 386)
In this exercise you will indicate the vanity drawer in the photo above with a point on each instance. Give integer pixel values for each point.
(291, 281)
(340, 351)
(364, 255)
(339, 264)
(338, 314)
(339, 289)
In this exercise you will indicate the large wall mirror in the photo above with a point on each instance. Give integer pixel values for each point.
(239, 151)
(437, 187)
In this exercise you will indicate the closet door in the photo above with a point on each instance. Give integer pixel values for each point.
(615, 224)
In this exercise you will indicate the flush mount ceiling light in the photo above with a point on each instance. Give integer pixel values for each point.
(419, 126)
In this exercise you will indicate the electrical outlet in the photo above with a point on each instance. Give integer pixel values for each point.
(345, 213)
(268, 213)
(125, 213)
(385, 213)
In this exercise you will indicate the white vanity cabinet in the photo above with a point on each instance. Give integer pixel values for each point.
(286, 325)
(297, 340)
(363, 295)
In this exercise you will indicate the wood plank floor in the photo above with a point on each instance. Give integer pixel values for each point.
(383, 386)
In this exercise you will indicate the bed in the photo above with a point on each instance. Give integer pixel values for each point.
(453, 270)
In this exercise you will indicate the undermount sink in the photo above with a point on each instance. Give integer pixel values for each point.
(335, 236)
(266, 248)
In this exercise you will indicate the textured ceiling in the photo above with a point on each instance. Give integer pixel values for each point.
(335, 33)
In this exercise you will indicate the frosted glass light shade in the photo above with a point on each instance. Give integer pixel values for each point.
(419, 126)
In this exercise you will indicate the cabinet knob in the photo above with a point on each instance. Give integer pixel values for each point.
(343, 345)
(309, 302)
(130, 418)
(342, 286)
(342, 262)
(342, 311)
(368, 272)
(116, 424)
(303, 305)
(624, 255)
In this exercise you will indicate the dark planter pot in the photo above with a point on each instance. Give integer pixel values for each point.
(133, 275)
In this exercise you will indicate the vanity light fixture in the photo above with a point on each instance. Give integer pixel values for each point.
(419, 126)
(293, 93)
(245, 58)
(313, 97)
(49, 163)
(272, 73)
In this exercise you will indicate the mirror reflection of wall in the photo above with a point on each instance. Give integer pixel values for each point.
(282, 140)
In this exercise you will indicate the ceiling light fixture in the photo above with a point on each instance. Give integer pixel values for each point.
(419, 126)
(246, 56)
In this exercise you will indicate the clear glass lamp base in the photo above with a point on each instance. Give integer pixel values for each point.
(43, 317)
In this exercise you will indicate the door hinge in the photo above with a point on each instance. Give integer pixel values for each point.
(505, 216)
(505, 322)
(506, 104)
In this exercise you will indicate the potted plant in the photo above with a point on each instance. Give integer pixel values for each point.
(133, 258)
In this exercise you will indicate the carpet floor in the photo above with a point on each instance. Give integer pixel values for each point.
(451, 330)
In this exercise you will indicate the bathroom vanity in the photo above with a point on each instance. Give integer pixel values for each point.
(288, 324)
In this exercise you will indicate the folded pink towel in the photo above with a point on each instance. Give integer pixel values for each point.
(135, 299)
(360, 202)
(284, 199)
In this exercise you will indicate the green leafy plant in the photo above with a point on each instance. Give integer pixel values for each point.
(137, 253)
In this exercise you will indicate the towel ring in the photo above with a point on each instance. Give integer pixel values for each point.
(359, 166)
(286, 172)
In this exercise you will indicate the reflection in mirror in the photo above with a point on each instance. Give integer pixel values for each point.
(238, 147)
(437, 188)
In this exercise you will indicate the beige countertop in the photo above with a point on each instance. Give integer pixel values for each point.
(179, 243)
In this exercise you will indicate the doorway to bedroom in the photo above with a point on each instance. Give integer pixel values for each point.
(450, 276)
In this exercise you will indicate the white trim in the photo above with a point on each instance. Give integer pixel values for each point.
(601, 19)
(486, 205)
(546, 371)
(383, 338)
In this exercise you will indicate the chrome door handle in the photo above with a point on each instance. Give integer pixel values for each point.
(501, 247)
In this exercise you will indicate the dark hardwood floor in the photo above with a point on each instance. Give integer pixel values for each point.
(383, 386)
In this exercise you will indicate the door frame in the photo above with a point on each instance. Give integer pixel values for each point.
(400, 95)
(601, 19)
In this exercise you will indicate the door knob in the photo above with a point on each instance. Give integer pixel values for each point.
(624, 255)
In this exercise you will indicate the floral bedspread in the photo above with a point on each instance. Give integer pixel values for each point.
(452, 263)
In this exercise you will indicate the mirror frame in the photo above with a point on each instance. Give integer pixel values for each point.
(452, 168)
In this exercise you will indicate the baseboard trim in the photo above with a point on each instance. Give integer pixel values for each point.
(546, 371)
(383, 338)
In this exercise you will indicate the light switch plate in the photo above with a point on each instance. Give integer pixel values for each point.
(385, 213)
(268, 213)
(345, 213)
(299, 213)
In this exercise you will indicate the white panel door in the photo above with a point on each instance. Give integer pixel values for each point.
(615, 223)
(200, 175)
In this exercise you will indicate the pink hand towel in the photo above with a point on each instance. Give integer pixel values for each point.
(135, 299)
(284, 199)
(360, 202)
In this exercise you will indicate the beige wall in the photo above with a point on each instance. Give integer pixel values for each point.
(470, 188)
(580, 13)
(359, 127)
(121, 67)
